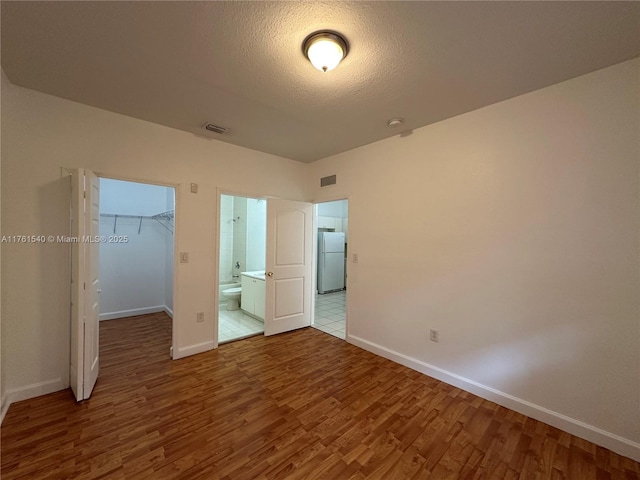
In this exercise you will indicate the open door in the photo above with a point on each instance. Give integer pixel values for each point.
(289, 267)
(85, 283)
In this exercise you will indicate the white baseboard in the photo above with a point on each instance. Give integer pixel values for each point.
(192, 349)
(133, 312)
(615, 443)
(30, 391)
(167, 310)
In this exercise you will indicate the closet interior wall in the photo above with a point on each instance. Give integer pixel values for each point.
(136, 251)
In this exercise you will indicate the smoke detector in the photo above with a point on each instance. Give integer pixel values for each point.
(395, 122)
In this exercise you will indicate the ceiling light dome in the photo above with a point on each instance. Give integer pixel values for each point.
(325, 49)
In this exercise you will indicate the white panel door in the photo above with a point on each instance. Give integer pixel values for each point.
(288, 266)
(76, 369)
(85, 283)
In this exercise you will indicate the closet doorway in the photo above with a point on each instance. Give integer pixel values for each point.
(136, 266)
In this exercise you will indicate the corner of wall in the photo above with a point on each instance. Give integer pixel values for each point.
(575, 427)
(4, 406)
(311, 176)
(189, 350)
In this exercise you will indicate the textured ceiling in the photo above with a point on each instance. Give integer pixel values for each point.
(240, 64)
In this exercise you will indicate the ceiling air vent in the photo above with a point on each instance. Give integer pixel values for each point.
(214, 128)
(326, 181)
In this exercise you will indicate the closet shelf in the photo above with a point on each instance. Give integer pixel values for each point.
(165, 219)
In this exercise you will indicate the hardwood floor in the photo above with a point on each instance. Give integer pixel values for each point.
(302, 405)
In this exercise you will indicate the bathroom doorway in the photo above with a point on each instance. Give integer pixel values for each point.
(243, 239)
(330, 307)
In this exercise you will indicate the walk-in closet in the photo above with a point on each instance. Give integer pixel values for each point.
(136, 254)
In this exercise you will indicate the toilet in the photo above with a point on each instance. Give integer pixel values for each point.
(233, 297)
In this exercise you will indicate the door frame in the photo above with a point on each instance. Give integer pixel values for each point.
(176, 236)
(216, 284)
(314, 273)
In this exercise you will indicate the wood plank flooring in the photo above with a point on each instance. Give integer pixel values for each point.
(302, 405)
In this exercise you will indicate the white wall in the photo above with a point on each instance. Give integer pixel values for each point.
(41, 134)
(336, 209)
(514, 231)
(226, 238)
(243, 236)
(133, 274)
(334, 215)
(239, 235)
(256, 234)
(130, 198)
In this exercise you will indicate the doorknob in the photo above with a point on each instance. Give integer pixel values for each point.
(99, 290)
(269, 274)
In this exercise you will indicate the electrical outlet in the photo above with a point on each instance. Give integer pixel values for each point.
(434, 335)
(200, 317)
(184, 257)
(355, 258)
(194, 188)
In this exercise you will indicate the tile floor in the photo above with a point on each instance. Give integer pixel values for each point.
(235, 324)
(330, 313)
(329, 317)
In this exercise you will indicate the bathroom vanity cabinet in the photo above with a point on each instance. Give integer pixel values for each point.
(253, 296)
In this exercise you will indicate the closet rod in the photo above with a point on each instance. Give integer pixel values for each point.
(165, 219)
(109, 215)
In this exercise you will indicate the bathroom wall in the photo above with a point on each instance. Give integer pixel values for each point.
(243, 236)
(136, 275)
(226, 238)
(256, 234)
(239, 234)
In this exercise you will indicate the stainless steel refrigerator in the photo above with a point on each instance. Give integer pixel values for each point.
(330, 261)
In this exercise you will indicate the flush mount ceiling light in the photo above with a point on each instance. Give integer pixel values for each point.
(325, 49)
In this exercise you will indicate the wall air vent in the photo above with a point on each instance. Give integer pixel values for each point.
(214, 128)
(326, 181)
